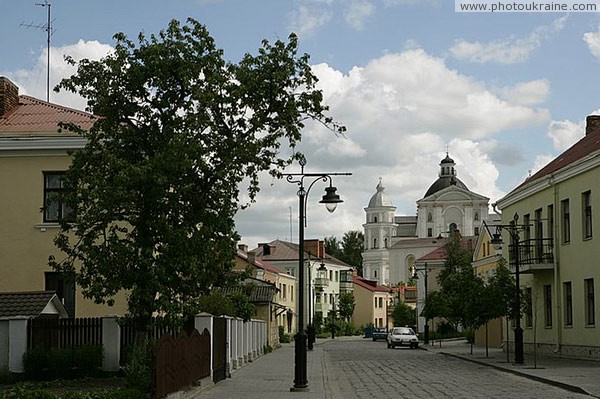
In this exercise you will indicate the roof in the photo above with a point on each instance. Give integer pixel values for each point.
(287, 251)
(443, 182)
(259, 291)
(380, 199)
(33, 116)
(369, 284)
(262, 264)
(439, 253)
(30, 304)
(589, 144)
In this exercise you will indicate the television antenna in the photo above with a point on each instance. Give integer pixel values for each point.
(48, 28)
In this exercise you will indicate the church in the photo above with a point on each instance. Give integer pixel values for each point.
(393, 242)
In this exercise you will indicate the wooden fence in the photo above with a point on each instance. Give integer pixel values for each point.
(181, 361)
(64, 333)
(128, 333)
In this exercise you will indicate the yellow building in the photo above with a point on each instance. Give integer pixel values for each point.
(485, 262)
(559, 251)
(33, 159)
(372, 301)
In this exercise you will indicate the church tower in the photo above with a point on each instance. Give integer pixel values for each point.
(378, 231)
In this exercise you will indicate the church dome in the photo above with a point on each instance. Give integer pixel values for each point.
(380, 199)
(447, 177)
(443, 182)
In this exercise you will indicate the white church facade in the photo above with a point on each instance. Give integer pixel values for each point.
(394, 243)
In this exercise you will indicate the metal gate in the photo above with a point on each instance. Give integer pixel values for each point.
(219, 349)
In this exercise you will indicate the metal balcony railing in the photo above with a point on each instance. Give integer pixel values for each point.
(321, 283)
(536, 251)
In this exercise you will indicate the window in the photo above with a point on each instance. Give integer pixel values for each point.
(590, 308)
(374, 219)
(476, 218)
(54, 207)
(548, 305)
(568, 293)
(539, 234)
(429, 217)
(291, 271)
(374, 243)
(566, 221)
(65, 290)
(284, 291)
(476, 231)
(292, 293)
(586, 205)
(337, 276)
(528, 308)
(526, 246)
(385, 245)
(380, 302)
(374, 273)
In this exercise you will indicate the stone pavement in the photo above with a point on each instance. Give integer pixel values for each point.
(580, 376)
(271, 376)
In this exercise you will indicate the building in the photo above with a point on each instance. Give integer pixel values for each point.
(393, 243)
(558, 247)
(280, 309)
(372, 301)
(326, 276)
(33, 159)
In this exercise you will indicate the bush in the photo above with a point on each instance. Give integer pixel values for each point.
(44, 364)
(88, 360)
(31, 392)
(6, 377)
(283, 337)
(36, 363)
(60, 364)
(139, 367)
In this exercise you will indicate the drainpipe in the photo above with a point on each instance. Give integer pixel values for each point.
(557, 284)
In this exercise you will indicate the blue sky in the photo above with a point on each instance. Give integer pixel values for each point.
(505, 92)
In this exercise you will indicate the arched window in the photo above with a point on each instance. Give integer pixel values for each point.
(385, 242)
(374, 219)
(429, 217)
(476, 215)
(374, 243)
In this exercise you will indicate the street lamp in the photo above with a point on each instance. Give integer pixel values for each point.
(330, 199)
(415, 276)
(513, 230)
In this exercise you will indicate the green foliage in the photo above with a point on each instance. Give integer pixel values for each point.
(234, 304)
(284, 338)
(139, 368)
(403, 315)
(157, 186)
(346, 305)
(27, 391)
(349, 250)
(6, 377)
(66, 363)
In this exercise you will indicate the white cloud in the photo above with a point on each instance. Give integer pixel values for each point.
(526, 93)
(506, 51)
(33, 81)
(306, 19)
(540, 161)
(565, 133)
(592, 39)
(357, 12)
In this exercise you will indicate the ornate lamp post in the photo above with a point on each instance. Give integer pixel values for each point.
(330, 199)
(415, 276)
(513, 230)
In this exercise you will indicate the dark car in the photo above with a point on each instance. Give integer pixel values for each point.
(379, 333)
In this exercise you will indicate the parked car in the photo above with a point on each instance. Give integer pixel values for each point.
(402, 336)
(379, 333)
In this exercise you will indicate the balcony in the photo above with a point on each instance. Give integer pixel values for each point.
(346, 286)
(534, 254)
(321, 283)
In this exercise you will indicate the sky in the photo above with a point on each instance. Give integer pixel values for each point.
(503, 93)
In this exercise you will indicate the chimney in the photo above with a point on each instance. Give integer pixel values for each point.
(312, 247)
(9, 95)
(243, 248)
(251, 257)
(592, 124)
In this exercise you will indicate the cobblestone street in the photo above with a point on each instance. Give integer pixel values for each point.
(367, 369)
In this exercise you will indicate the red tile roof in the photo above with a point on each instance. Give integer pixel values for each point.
(584, 147)
(269, 267)
(440, 252)
(36, 116)
(287, 251)
(369, 284)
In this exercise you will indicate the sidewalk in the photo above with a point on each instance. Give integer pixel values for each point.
(581, 376)
(271, 377)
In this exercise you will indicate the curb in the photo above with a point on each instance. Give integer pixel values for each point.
(568, 387)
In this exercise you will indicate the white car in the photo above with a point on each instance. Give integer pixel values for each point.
(402, 336)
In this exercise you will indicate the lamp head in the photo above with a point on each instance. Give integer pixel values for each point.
(331, 199)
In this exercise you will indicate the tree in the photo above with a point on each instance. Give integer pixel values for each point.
(156, 188)
(346, 305)
(403, 315)
(349, 250)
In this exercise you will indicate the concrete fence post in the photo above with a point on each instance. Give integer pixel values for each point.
(111, 342)
(17, 343)
(202, 321)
